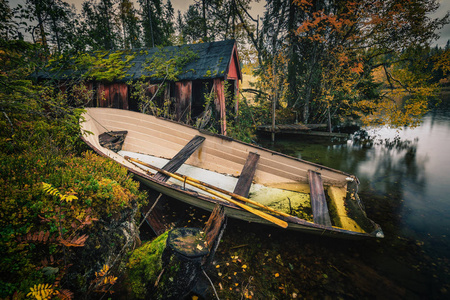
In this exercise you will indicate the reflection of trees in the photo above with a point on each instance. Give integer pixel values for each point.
(443, 112)
(385, 167)
(388, 169)
(393, 163)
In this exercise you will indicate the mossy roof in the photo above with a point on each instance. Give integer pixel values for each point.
(211, 60)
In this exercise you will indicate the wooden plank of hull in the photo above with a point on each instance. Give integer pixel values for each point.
(318, 200)
(245, 179)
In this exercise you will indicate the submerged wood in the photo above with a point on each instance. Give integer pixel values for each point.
(214, 229)
(279, 180)
(301, 129)
(181, 262)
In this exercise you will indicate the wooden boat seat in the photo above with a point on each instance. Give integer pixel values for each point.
(244, 183)
(178, 160)
(318, 200)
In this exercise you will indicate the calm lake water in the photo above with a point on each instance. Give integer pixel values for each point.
(405, 185)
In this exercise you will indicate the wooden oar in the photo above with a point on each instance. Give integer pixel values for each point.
(231, 194)
(261, 214)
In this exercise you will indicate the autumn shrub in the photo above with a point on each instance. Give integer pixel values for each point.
(52, 199)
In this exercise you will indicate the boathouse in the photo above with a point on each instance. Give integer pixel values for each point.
(206, 69)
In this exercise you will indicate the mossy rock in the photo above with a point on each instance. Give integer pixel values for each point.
(145, 265)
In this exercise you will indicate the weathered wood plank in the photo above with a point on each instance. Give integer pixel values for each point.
(242, 187)
(178, 160)
(318, 200)
(214, 229)
(155, 219)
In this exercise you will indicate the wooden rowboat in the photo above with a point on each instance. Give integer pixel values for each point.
(252, 183)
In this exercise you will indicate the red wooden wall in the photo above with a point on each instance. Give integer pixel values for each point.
(112, 95)
(220, 104)
(183, 96)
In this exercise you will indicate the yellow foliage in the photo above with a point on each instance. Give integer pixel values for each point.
(103, 279)
(42, 291)
(50, 190)
(443, 62)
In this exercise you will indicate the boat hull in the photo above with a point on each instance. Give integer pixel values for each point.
(162, 138)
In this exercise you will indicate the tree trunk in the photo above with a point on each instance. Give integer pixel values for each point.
(150, 22)
(205, 32)
(292, 59)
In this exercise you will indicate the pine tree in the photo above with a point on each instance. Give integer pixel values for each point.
(98, 28)
(157, 29)
(130, 25)
(8, 28)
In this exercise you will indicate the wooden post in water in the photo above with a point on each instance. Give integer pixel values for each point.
(329, 119)
(274, 103)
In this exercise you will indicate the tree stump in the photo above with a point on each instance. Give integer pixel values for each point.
(182, 260)
(187, 251)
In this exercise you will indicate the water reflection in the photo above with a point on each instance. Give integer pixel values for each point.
(404, 178)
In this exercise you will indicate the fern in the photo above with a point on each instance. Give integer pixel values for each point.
(104, 282)
(38, 236)
(41, 291)
(46, 291)
(52, 191)
(77, 241)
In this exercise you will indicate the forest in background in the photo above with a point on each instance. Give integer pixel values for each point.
(370, 61)
(364, 60)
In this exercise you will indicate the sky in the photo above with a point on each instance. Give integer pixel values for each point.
(445, 31)
(258, 8)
